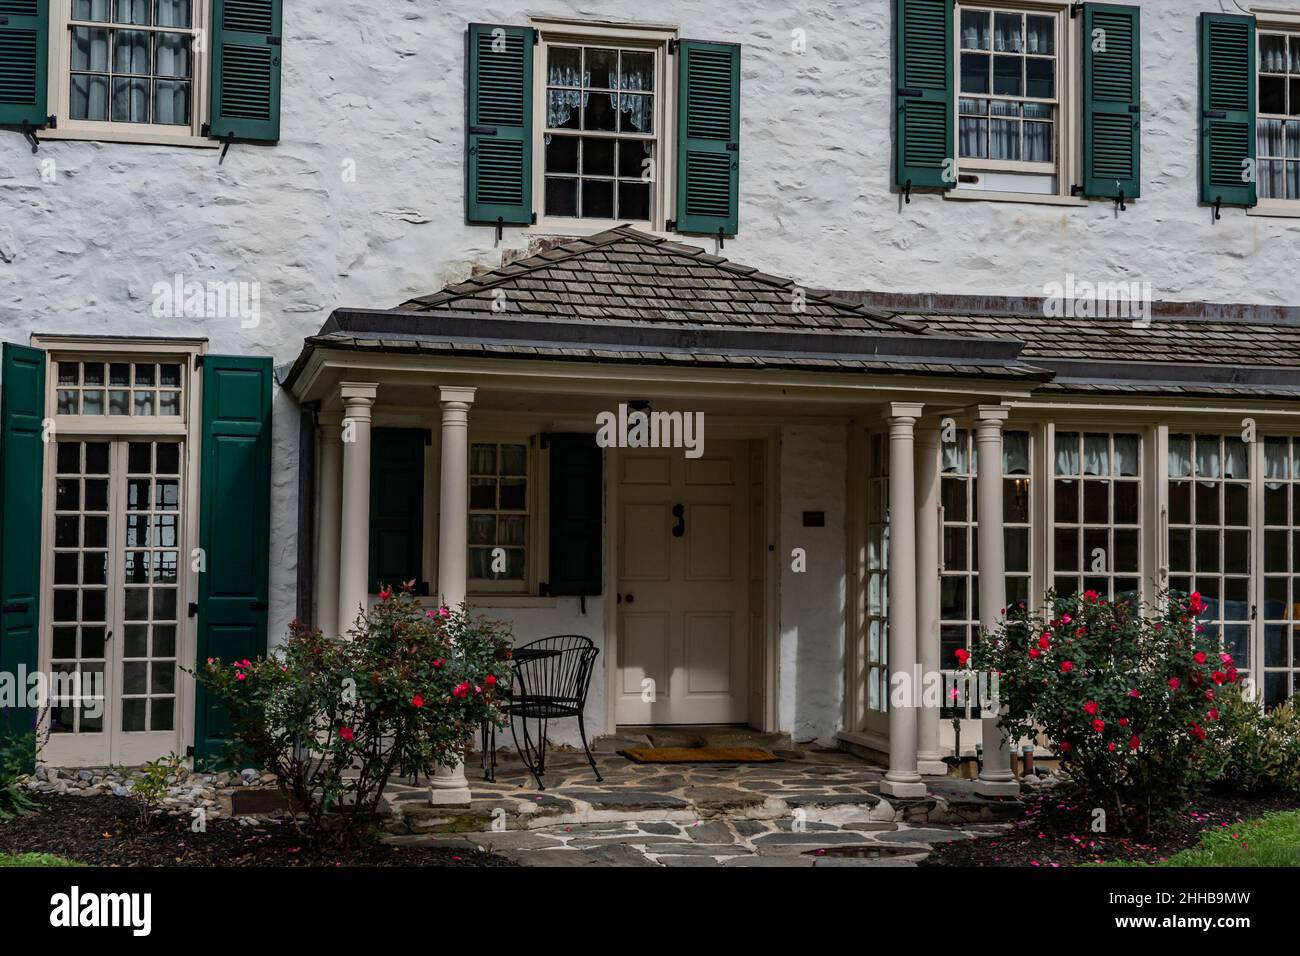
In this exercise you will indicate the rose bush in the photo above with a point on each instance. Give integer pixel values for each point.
(334, 719)
(1128, 695)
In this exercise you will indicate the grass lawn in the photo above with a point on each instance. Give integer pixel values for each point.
(1272, 840)
(35, 859)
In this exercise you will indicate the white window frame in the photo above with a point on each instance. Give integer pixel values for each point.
(116, 747)
(535, 526)
(657, 39)
(1069, 108)
(60, 87)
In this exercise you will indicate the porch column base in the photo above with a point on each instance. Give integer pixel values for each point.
(902, 791)
(449, 787)
(996, 788)
(931, 765)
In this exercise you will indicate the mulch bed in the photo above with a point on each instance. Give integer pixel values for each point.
(106, 831)
(1057, 831)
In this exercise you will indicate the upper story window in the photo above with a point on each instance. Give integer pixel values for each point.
(131, 65)
(601, 131)
(1008, 102)
(1278, 118)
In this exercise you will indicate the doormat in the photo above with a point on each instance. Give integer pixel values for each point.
(699, 755)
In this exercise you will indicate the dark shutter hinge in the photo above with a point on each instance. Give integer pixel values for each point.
(907, 192)
(543, 589)
(194, 609)
(537, 38)
(198, 361)
(670, 225)
(534, 219)
(1218, 206)
(189, 751)
(1076, 189)
(1076, 9)
(1119, 201)
(206, 130)
(673, 44)
(544, 440)
(29, 131)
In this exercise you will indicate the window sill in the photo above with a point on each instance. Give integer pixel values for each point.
(1276, 210)
(581, 228)
(988, 195)
(127, 136)
(510, 600)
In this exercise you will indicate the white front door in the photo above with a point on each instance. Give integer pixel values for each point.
(112, 601)
(683, 586)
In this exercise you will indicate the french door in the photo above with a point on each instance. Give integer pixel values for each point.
(114, 601)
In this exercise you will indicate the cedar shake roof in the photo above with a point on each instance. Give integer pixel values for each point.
(627, 275)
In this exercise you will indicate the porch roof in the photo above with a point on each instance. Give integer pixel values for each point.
(1172, 355)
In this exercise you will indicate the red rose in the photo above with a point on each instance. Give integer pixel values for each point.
(1134, 743)
(1099, 725)
(1134, 693)
(1035, 653)
(1218, 677)
(1175, 683)
(1123, 721)
(1199, 657)
(1209, 695)
(1064, 746)
(1067, 666)
(417, 701)
(490, 680)
(1212, 713)
(385, 594)
(1111, 747)
(1197, 731)
(1196, 602)
(962, 656)
(1091, 596)
(1090, 708)
(1045, 641)
(347, 734)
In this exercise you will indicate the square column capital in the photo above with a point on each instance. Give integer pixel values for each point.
(992, 413)
(358, 393)
(910, 411)
(456, 393)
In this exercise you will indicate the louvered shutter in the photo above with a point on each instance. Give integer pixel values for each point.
(397, 507)
(1112, 119)
(499, 114)
(246, 45)
(24, 53)
(708, 137)
(923, 99)
(1227, 109)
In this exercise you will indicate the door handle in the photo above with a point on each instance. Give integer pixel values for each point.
(679, 512)
(630, 598)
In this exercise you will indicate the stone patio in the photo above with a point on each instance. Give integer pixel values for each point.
(813, 807)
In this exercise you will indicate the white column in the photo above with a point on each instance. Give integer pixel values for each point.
(929, 759)
(328, 522)
(996, 778)
(354, 532)
(902, 779)
(449, 785)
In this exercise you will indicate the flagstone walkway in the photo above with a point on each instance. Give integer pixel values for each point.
(811, 808)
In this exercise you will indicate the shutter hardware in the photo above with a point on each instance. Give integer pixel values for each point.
(29, 131)
(206, 130)
(1218, 204)
(1075, 10)
(907, 192)
(1119, 201)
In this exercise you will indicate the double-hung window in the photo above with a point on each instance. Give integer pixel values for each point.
(1009, 102)
(574, 127)
(1278, 117)
(500, 504)
(1097, 514)
(1281, 665)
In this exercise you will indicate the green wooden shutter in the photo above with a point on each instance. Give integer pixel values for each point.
(22, 409)
(708, 137)
(234, 526)
(1112, 118)
(576, 518)
(1227, 109)
(246, 45)
(396, 506)
(923, 99)
(499, 117)
(24, 57)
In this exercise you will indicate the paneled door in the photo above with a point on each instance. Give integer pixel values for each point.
(683, 586)
(113, 598)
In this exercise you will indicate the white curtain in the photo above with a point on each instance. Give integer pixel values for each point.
(1067, 453)
(1276, 458)
(1096, 454)
(1180, 456)
(1208, 464)
(1236, 461)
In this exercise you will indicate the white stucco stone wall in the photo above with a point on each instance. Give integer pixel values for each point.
(810, 659)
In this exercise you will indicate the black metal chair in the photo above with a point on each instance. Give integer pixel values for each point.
(550, 679)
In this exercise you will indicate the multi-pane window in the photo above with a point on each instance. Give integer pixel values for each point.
(959, 611)
(132, 61)
(877, 596)
(1009, 96)
(1278, 117)
(600, 132)
(498, 511)
(80, 612)
(150, 603)
(1097, 514)
(134, 389)
(1281, 669)
(1209, 534)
